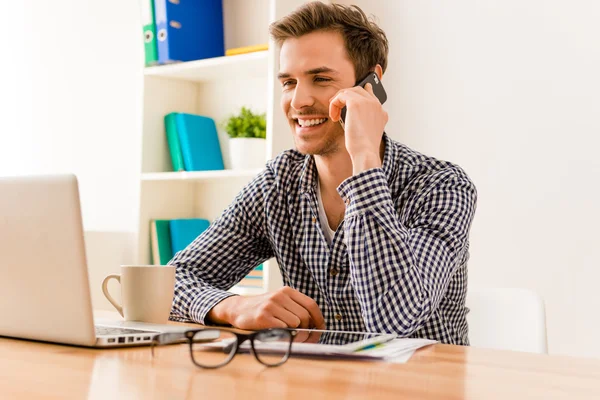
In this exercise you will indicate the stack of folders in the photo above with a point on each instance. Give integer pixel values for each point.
(167, 237)
(193, 142)
(178, 30)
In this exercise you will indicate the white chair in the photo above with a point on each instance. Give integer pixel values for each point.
(508, 319)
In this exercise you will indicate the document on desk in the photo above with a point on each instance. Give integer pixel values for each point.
(350, 345)
(399, 351)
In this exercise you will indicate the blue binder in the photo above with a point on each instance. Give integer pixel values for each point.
(199, 143)
(185, 231)
(189, 29)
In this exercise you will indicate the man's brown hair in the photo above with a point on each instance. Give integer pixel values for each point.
(366, 43)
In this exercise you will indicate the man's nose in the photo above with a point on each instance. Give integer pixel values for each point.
(302, 97)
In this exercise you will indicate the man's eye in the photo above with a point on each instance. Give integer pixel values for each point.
(319, 79)
(287, 83)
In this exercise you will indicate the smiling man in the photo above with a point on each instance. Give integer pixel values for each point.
(369, 234)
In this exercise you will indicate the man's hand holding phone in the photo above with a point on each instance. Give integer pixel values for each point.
(364, 124)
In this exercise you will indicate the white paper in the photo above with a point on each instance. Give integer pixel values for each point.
(398, 351)
(400, 358)
(394, 351)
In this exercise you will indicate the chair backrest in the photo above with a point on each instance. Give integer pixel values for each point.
(508, 319)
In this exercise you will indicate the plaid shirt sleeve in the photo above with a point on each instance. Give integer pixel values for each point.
(400, 273)
(222, 255)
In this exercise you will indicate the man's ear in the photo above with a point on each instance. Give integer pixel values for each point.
(379, 71)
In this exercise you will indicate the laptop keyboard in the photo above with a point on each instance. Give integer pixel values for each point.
(109, 330)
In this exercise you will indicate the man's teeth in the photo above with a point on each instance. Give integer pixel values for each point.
(311, 122)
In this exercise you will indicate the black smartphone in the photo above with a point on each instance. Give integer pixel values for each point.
(378, 90)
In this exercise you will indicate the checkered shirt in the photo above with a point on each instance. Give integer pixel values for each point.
(397, 262)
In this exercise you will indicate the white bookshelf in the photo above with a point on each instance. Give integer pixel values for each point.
(216, 88)
(242, 66)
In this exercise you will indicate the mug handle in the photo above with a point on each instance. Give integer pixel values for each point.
(108, 296)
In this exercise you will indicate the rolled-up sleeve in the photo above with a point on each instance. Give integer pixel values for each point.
(400, 271)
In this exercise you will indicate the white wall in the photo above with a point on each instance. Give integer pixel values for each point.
(510, 90)
(70, 101)
(70, 73)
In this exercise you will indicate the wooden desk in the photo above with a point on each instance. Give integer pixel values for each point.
(30, 370)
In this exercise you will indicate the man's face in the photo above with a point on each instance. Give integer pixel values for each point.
(313, 68)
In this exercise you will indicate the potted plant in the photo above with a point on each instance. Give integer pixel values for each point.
(247, 145)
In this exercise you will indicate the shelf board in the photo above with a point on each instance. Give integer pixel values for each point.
(250, 65)
(200, 175)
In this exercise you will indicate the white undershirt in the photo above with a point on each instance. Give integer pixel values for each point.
(323, 217)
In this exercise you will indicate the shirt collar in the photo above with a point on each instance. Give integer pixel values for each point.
(308, 175)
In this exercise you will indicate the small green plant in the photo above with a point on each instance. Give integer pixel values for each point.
(246, 125)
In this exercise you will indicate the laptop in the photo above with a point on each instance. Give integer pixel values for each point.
(44, 287)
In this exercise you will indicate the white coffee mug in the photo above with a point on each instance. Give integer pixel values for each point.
(146, 291)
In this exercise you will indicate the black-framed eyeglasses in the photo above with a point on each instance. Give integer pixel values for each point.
(214, 348)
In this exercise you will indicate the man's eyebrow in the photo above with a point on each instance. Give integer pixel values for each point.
(321, 70)
(314, 71)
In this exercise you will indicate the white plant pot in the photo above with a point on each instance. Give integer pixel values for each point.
(247, 153)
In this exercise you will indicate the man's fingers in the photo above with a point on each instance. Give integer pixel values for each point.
(346, 96)
(297, 310)
(335, 107)
(366, 91)
(272, 322)
(301, 336)
(313, 337)
(339, 101)
(281, 313)
(311, 306)
(308, 336)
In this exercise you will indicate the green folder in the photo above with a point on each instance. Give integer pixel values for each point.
(160, 242)
(173, 141)
(149, 26)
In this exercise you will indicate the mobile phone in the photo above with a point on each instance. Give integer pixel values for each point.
(378, 90)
